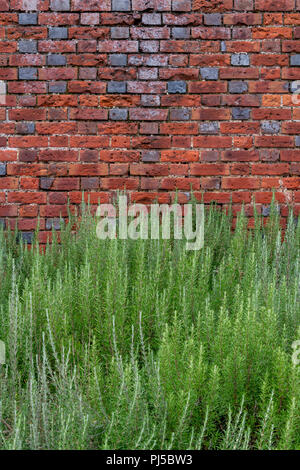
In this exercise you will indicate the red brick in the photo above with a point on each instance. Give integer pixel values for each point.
(274, 141)
(270, 169)
(209, 169)
(99, 169)
(212, 142)
(240, 183)
(240, 155)
(278, 5)
(272, 33)
(179, 156)
(75, 145)
(27, 197)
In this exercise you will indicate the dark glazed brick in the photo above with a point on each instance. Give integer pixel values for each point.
(210, 156)
(181, 33)
(26, 237)
(267, 155)
(27, 155)
(150, 156)
(209, 73)
(46, 182)
(58, 87)
(223, 46)
(89, 183)
(295, 87)
(118, 60)
(295, 60)
(213, 19)
(181, 5)
(2, 169)
(149, 46)
(56, 59)
(270, 127)
(118, 114)
(60, 5)
(150, 100)
(180, 114)
(265, 210)
(151, 18)
(240, 113)
(54, 223)
(246, 5)
(27, 19)
(116, 87)
(25, 128)
(26, 46)
(119, 32)
(58, 33)
(120, 5)
(209, 127)
(27, 73)
(238, 87)
(177, 87)
(240, 60)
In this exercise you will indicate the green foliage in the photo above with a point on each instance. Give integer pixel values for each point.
(122, 344)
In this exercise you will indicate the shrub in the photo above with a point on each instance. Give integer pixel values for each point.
(121, 344)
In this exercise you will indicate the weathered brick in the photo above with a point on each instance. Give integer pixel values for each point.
(238, 87)
(90, 18)
(25, 128)
(118, 114)
(209, 73)
(243, 4)
(150, 156)
(240, 113)
(54, 223)
(180, 114)
(240, 60)
(181, 5)
(60, 5)
(119, 32)
(181, 33)
(213, 19)
(151, 19)
(150, 100)
(120, 5)
(209, 127)
(270, 127)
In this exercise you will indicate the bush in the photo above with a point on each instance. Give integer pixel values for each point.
(116, 344)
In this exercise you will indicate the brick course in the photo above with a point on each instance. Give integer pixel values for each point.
(151, 96)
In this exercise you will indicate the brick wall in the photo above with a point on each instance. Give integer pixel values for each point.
(151, 96)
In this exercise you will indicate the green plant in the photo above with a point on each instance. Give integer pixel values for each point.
(121, 344)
